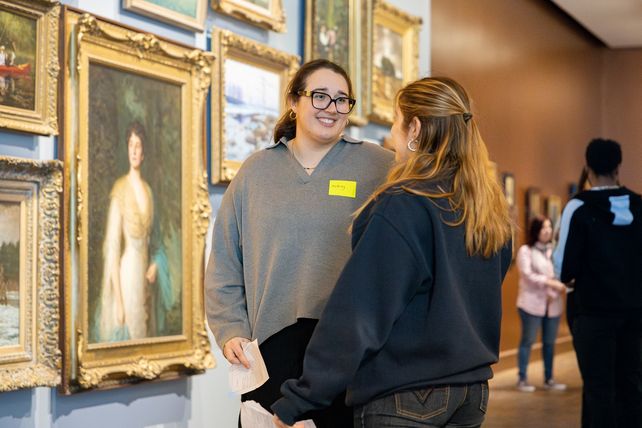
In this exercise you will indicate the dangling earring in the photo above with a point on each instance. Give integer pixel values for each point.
(412, 145)
(292, 115)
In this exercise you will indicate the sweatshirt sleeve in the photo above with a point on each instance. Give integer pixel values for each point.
(575, 244)
(378, 281)
(525, 265)
(565, 224)
(226, 306)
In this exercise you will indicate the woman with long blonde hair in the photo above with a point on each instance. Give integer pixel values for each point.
(412, 326)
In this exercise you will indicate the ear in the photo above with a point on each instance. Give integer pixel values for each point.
(292, 102)
(414, 129)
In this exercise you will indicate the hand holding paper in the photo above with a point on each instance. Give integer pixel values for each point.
(244, 380)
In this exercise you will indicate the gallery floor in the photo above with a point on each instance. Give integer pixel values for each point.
(509, 408)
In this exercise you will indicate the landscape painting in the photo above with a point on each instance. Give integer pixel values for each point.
(18, 38)
(9, 273)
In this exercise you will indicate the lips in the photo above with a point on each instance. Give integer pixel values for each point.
(327, 121)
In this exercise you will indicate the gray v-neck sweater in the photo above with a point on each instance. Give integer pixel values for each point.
(281, 237)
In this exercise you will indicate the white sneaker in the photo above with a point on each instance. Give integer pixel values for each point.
(524, 386)
(551, 385)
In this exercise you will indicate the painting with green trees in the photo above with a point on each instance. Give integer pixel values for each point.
(9, 273)
(18, 38)
(331, 31)
(134, 206)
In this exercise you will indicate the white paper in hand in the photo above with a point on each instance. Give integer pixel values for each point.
(253, 415)
(244, 380)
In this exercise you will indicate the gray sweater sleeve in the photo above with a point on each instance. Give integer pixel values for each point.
(226, 305)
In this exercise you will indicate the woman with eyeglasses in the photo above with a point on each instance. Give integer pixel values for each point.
(412, 326)
(281, 235)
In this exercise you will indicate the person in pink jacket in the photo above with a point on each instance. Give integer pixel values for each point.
(539, 301)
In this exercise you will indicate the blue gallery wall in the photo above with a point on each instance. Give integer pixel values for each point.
(198, 401)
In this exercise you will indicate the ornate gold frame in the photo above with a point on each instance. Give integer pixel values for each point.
(43, 119)
(227, 45)
(35, 361)
(145, 7)
(271, 19)
(382, 109)
(360, 14)
(88, 38)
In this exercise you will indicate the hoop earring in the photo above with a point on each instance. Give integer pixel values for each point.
(292, 115)
(412, 145)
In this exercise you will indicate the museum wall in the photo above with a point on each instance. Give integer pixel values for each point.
(542, 88)
(196, 401)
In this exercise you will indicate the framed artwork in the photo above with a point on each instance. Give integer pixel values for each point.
(339, 31)
(136, 206)
(395, 58)
(508, 183)
(267, 14)
(29, 273)
(248, 82)
(533, 204)
(188, 14)
(554, 210)
(29, 65)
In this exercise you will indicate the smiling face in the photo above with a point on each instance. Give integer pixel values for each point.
(321, 126)
(135, 151)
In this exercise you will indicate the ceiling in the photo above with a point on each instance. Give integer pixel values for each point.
(618, 23)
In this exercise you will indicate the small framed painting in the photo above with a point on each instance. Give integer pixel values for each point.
(29, 273)
(188, 14)
(248, 83)
(267, 14)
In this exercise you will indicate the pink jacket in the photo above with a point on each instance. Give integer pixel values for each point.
(535, 267)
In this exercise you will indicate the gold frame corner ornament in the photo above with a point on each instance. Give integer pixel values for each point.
(89, 40)
(43, 118)
(227, 45)
(37, 186)
(272, 18)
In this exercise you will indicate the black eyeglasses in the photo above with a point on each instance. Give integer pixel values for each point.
(321, 101)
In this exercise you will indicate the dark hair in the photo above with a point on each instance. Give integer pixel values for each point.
(603, 156)
(537, 223)
(286, 126)
(135, 128)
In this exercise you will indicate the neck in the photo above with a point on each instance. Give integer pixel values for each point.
(134, 173)
(601, 181)
(308, 152)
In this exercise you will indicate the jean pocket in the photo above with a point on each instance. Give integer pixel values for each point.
(422, 404)
(483, 402)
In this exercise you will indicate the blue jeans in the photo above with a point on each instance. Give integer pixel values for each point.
(462, 406)
(530, 325)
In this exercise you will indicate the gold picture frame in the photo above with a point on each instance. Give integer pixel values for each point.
(133, 146)
(29, 70)
(268, 14)
(29, 273)
(188, 14)
(554, 210)
(246, 101)
(395, 46)
(341, 33)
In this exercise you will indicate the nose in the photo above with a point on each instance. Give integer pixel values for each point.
(333, 104)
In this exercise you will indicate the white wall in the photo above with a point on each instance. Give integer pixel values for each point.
(198, 401)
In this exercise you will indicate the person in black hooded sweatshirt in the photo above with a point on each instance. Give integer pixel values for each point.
(600, 251)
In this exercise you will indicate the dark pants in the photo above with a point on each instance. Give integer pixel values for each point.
(609, 355)
(530, 325)
(283, 354)
(462, 406)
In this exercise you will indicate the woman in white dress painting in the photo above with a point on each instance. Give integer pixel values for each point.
(127, 272)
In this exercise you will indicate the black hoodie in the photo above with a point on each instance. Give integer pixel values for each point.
(600, 248)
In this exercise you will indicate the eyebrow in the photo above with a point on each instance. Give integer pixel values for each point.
(325, 89)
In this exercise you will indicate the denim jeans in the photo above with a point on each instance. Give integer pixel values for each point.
(530, 325)
(462, 406)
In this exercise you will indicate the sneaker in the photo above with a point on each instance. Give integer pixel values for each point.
(524, 386)
(551, 385)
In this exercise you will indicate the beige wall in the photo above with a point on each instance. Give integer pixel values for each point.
(537, 83)
(622, 115)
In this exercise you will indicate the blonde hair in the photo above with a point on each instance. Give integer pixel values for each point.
(450, 151)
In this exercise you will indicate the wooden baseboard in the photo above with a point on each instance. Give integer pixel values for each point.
(508, 357)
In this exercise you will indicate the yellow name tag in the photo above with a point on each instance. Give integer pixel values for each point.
(343, 188)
